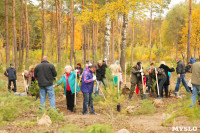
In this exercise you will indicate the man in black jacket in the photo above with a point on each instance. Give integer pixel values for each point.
(180, 70)
(45, 73)
(166, 84)
(100, 74)
(12, 77)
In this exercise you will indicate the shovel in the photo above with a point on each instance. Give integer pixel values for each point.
(157, 85)
(118, 106)
(125, 89)
(145, 95)
(101, 90)
(74, 109)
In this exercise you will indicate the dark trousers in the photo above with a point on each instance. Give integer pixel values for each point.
(70, 100)
(87, 101)
(160, 84)
(166, 88)
(14, 83)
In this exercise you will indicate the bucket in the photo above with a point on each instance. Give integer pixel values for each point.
(145, 95)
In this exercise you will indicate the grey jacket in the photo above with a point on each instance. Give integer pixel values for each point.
(180, 69)
(10, 73)
(195, 80)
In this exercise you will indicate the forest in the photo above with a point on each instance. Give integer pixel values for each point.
(79, 30)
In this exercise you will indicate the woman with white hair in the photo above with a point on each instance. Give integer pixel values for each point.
(69, 79)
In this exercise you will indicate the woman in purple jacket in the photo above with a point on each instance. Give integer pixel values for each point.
(88, 79)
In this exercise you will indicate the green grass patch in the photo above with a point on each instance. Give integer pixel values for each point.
(145, 107)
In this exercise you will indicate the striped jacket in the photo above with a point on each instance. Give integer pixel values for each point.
(87, 81)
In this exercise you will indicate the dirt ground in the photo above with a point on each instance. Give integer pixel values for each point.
(135, 124)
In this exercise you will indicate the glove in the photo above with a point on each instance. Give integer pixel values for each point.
(55, 85)
(76, 70)
(94, 77)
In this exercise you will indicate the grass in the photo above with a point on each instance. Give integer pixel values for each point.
(182, 109)
(145, 107)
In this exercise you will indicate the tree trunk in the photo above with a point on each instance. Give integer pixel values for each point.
(112, 43)
(57, 30)
(133, 41)
(24, 37)
(119, 37)
(189, 30)
(84, 30)
(93, 39)
(67, 28)
(27, 35)
(150, 32)
(51, 35)
(21, 36)
(72, 33)
(96, 39)
(160, 30)
(43, 29)
(123, 43)
(7, 34)
(88, 46)
(59, 33)
(106, 48)
(14, 34)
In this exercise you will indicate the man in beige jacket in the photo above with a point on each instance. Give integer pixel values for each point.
(195, 80)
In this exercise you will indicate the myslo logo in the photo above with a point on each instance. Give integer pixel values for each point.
(184, 129)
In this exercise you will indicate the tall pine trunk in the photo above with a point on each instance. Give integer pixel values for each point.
(67, 28)
(189, 30)
(21, 36)
(51, 35)
(43, 29)
(93, 39)
(84, 36)
(7, 34)
(59, 29)
(27, 35)
(133, 41)
(14, 34)
(150, 33)
(112, 43)
(160, 30)
(72, 53)
(123, 43)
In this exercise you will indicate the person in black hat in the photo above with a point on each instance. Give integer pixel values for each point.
(12, 77)
(136, 79)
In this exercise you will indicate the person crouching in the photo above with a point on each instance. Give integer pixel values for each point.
(69, 79)
(87, 85)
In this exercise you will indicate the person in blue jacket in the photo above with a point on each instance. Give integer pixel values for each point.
(69, 79)
(87, 85)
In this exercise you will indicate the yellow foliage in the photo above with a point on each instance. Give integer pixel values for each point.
(77, 36)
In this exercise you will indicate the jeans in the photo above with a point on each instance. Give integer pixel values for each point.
(14, 84)
(196, 89)
(182, 78)
(51, 94)
(97, 87)
(87, 101)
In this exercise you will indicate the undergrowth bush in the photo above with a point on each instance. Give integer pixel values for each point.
(55, 115)
(35, 90)
(99, 128)
(70, 128)
(146, 107)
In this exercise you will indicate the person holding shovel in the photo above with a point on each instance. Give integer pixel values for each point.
(159, 75)
(12, 77)
(166, 84)
(136, 79)
(87, 85)
(69, 79)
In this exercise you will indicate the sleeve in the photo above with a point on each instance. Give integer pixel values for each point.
(134, 71)
(36, 71)
(170, 69)
(87, 78)
(15, 74)
(60, 81)
(6, 73)
(54, 71)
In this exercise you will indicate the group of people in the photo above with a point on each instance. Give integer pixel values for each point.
(45, 73)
